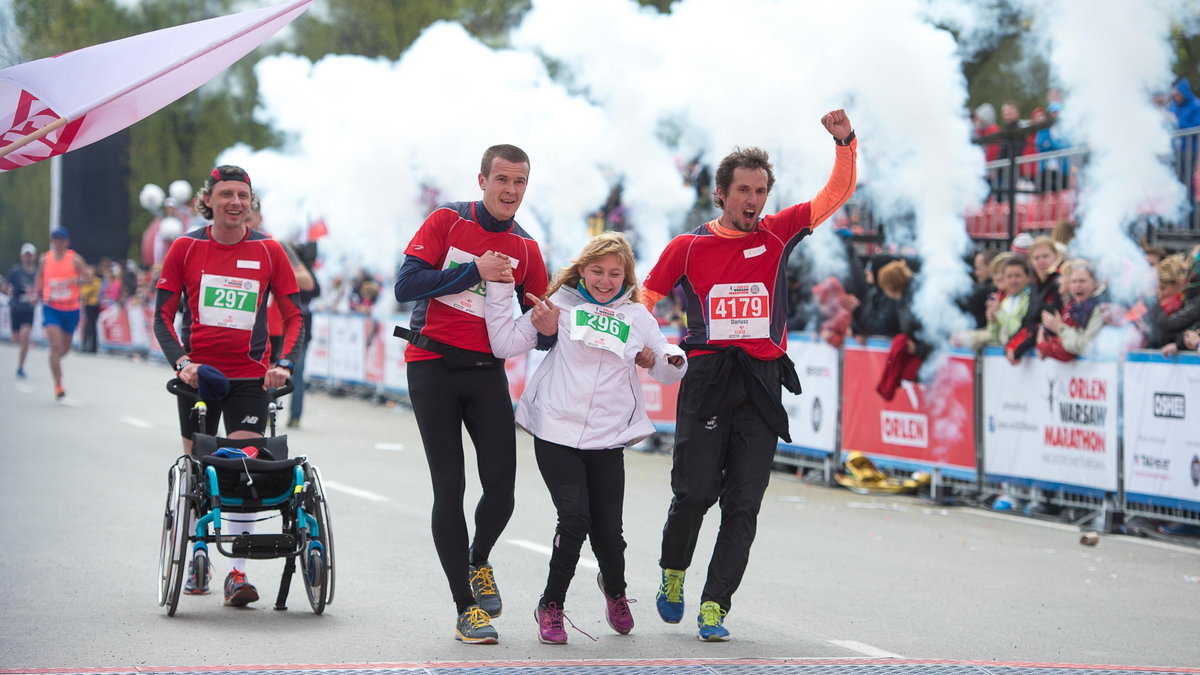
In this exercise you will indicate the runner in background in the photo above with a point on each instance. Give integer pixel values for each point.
(22, 282)
(58, 276)
(307, 283)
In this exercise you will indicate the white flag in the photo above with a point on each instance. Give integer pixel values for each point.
(57, 104)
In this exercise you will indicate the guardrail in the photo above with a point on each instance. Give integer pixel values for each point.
(1105, 438)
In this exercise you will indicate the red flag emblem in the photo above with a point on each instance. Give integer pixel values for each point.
(30, 116)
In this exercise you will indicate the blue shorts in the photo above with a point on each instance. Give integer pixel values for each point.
(21, 317)
(67, 320)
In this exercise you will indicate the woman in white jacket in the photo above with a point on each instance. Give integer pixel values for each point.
(583, 406)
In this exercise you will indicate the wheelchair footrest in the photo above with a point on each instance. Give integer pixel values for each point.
(263, 545)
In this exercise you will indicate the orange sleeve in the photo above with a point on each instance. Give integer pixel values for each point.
(840, 186)
(650, 298)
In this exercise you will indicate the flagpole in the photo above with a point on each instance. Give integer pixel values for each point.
(26, 140)
(55, 192)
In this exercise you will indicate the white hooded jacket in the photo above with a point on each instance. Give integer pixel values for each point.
(586, 393)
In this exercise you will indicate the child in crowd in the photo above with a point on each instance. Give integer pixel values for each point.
(1045, 295)
(583, 406)
(1006, 309)
(907, 351)
(1066, 335)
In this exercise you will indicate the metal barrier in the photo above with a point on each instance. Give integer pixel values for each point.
(1046, 190)
(1089, 441)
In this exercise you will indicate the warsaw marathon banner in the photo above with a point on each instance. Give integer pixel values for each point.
(1162, 447)
(1051, 421)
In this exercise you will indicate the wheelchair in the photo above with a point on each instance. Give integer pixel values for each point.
(203, 485)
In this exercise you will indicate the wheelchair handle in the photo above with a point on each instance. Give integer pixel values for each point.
(177, 387)
(287, 388)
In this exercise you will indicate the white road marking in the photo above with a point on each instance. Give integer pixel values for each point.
(395, 447)
(23, 388)
(353, 491)
(865, 649)
(136, 422)
(584, 561)
(1013, 518)
(1141, 541)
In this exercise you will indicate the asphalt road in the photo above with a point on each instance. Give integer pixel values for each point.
(832, 574)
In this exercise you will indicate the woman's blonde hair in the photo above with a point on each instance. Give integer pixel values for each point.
(1048, 243)
(997, 265)
(1172, 269)
(600, 246)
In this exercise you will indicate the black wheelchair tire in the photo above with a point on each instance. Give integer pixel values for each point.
(317, 567)
(173, 548)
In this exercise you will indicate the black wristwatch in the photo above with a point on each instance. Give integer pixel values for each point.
(286, 363)
(182, 364)
(845, 141)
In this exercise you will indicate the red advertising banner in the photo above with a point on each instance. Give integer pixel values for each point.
(932, 424)
(113, 327)
(515, 368)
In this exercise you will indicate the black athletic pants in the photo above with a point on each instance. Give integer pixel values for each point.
(588, 489)
(725, 458)
(444, 401)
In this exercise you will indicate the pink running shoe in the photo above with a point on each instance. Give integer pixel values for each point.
(619, 616)
(550, 624)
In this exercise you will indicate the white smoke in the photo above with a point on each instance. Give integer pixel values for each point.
(634, 91)
(1109, 64)
(366, 138)
(916, 158)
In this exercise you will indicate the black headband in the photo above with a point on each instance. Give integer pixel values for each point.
(228, 172)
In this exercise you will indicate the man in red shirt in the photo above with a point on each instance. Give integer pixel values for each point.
(220, 277)
(730, 413)
(455, 380)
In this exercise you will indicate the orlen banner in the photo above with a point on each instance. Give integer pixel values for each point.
(1162, 447)
(932, 423)
(813, 415)
(1051, 421)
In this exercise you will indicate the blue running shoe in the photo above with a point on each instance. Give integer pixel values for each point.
(474, 627)
(482, 578)
(711, 622)
(670, 596)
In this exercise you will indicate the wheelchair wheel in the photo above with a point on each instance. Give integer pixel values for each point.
(173, 547)
(317, 559)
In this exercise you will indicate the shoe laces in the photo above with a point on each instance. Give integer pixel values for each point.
(672, 587)
(712, 614)
(620, 606)
(554, 615)
(477, 617)
(482, 577)
(238, 576)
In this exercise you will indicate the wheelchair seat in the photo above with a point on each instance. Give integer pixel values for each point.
(245, 484)
(276, 447)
